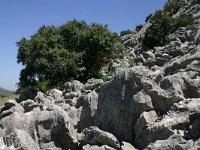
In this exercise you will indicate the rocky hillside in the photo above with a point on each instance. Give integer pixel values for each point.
(153, 105)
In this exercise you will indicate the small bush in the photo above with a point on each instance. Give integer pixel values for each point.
(183, 21)
(157, 33)
(163, 24)
(148, 17)
(125, 32)
(138, 27)
(172, 7)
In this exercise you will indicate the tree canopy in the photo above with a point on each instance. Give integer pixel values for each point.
(54, 55)
(163, 24)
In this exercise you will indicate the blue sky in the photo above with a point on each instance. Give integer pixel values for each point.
(22, 18)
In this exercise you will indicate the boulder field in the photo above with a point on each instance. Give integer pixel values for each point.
(153, 105)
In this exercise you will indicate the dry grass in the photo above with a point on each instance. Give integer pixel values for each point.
(6, 96)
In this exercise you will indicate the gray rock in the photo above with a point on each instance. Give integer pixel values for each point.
(95, 136)
(146, 119)
(92, 84)
(26, 141)
(9, 108)
(95, 147)
(193, 86)
(197, 144)
(71, 95)
(29, 104)
(127, 146)
(174, 142)
(37, 128)
(147, 132)
(56, 126)
(8, 104)
(87, 105)
(181, 63)
(133, 91)
(152, 134)
(74, 86)
(142, 101)
(55, 94)
(124, 93)
(47, 101)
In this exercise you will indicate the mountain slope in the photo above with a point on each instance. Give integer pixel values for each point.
(5, 91)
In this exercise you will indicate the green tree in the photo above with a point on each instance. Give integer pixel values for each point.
(100, 49)
(156, 34)
(54, 55)
(94, 40)
(47, 63)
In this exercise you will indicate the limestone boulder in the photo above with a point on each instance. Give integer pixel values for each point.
(74, 86)
(96, 147)
(92, 84)
(95, 136)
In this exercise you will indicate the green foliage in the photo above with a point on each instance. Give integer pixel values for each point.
(148, 17)
(138, 27)
(125, 32)
(100, 49)
(131, 62)
(172, 7)
(156, 34)
(110, 67)
(183, 21)
(163, 24)
(54, 55)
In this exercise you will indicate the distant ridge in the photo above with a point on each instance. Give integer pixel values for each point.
(6, 91)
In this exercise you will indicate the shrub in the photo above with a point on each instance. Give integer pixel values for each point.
(172, 7)
(148, 17)
(183, 21)
(125, 32)
(163, 24)
(138, 27)
(157, 33)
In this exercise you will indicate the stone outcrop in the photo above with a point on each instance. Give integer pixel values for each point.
(94, 136)
(152, 105)
(50, 120)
